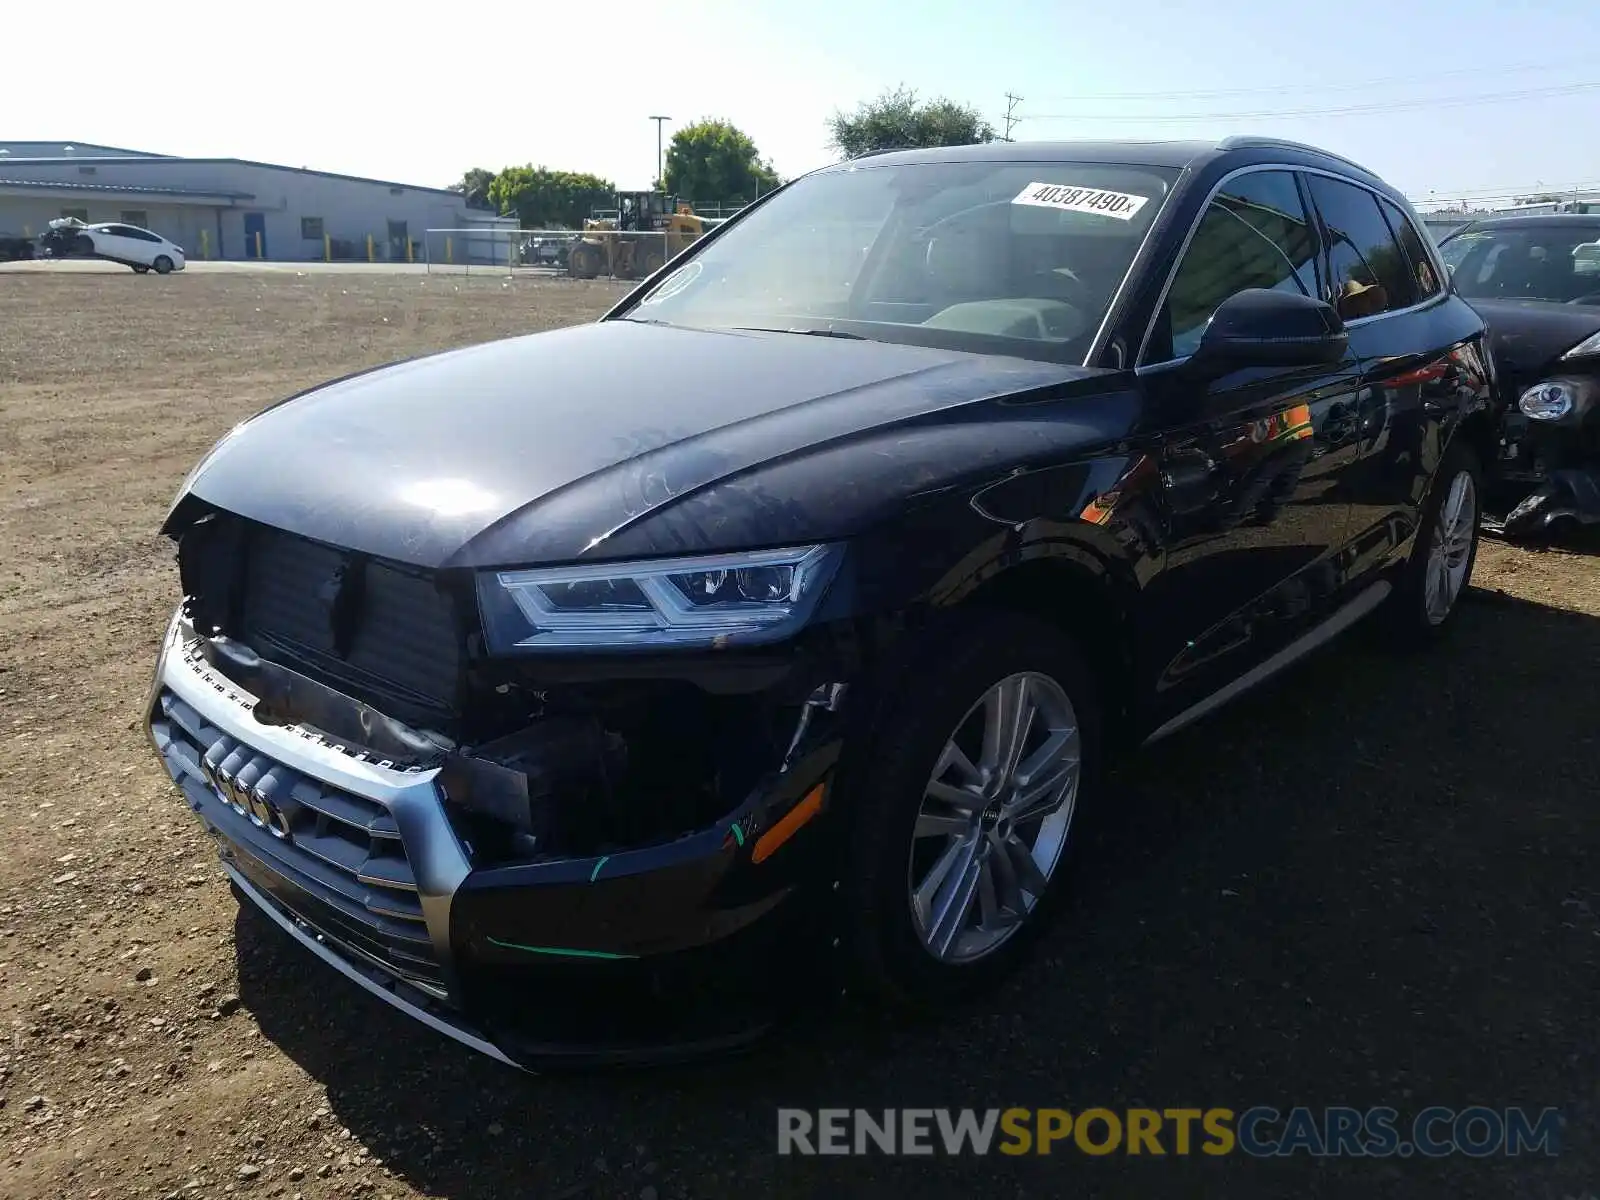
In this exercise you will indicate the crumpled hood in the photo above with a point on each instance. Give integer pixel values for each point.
(538, 448)
(1527, 336)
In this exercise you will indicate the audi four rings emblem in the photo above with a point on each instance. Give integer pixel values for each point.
(245, 782)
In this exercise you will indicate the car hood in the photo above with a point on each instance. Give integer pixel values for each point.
(541, 448)
(1527, 336)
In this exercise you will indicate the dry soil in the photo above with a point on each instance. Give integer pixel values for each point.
(1372, 883)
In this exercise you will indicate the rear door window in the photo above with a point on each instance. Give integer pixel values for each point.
(1417, 256)
(1368, 273)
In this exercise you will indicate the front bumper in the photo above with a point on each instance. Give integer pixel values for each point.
(654, 953)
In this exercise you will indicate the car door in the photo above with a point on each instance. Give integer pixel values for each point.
(1415, 358)
(1253, 465)
(150, 246)
(118, 242)
(107, 240)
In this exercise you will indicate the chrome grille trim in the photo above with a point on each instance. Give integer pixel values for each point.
(378, 852)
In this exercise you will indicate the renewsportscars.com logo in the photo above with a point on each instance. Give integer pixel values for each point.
(1259, 1132)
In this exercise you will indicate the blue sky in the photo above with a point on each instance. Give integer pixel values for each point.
(406, 93)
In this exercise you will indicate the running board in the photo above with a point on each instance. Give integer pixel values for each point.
(1336, 624)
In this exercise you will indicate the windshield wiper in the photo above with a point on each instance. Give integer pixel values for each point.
(833, 333)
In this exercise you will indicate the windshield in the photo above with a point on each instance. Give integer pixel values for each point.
(1009, 258)
(1540, 262)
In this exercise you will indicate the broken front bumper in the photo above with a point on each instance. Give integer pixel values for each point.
(657, 952)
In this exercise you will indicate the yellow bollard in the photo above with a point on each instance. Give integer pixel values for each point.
(205, 243)
(327, 247)
(27, 231)
(369, 248)
(448, 257)
(258, 245)
(410, 253)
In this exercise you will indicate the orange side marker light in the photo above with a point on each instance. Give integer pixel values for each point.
(767, 844)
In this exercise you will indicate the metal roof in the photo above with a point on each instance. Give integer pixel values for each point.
(174, 161)
(69, 149)
(52, 185)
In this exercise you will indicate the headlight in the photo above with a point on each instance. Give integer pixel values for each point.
(713, 601)
(1547, 401)
(1589, 345)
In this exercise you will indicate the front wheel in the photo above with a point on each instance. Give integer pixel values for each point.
(163, 264)
(584, 261)
(1439, 569)
(962, 818)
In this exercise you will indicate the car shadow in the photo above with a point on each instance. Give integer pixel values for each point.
(1369, 882)
(1570, 539)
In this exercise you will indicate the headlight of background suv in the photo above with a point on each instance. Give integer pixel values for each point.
(1589, 345)
(711, 601)
(1557, 399)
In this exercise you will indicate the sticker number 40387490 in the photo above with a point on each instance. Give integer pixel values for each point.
(1121, 205)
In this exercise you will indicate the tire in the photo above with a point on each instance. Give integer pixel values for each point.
(139, 268)
(648, 262)
(162, 264)
(1428, 593)
(894, 954)
(584, 262)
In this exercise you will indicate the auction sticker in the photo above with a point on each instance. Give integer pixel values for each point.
(1121, 205)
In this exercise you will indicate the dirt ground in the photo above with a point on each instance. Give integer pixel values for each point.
(1371, 883)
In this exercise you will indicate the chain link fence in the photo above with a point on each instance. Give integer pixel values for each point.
(612, 254)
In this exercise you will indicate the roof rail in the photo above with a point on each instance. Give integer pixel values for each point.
(1247, 141)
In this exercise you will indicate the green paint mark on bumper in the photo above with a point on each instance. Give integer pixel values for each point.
(738, 834)
(558, 951)
(595, 874)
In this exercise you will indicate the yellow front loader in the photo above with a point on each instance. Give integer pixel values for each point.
(648, 229)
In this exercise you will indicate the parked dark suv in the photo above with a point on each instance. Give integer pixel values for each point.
(584, 693)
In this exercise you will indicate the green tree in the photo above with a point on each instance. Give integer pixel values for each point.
(897, 120)
(714, 161)
(541, 198)
(474, 186)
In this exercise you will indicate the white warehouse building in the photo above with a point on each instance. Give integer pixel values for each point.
(231, 208)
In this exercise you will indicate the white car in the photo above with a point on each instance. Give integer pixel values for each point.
(126, 244)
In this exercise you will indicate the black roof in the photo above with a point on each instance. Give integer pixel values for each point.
(1176, 154)
(1153, 153)
(1530, 220)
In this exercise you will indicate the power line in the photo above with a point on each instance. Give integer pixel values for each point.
(1347, 86)
(1350, 110)
(1442, 195)
(1498, 189)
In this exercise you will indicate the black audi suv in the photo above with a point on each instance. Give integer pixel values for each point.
(589, 695)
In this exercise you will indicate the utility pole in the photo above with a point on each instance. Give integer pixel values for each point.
(1011, 117)
(661, 174)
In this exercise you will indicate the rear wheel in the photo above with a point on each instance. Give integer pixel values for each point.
(1439, 570)
(963, 815)
(163, 264)
(648, 261)
(139, 268)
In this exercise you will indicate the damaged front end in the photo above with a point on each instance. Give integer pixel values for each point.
(1550, 457)
(552, 857)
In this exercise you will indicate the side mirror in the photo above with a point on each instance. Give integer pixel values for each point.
(1259, 327)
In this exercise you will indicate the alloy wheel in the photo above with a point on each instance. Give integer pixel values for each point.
(994, 818)
(1450, 553)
